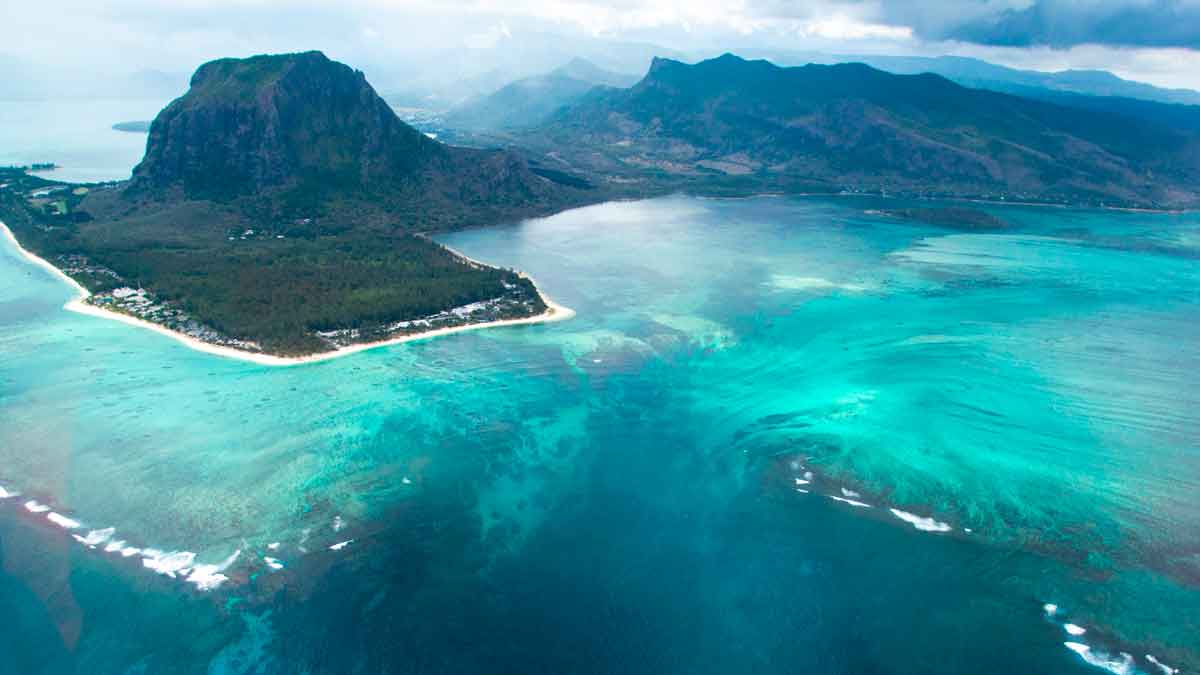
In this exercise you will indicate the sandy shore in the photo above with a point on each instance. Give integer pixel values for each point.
(554, 312)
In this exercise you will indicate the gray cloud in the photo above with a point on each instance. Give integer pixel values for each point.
(1019, 23)
(1066, 23)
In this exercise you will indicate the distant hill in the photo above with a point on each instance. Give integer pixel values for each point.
(1088, 89)
(971, 72)
(582, 69)
(529, 101)
(850, 126)
(981, 74)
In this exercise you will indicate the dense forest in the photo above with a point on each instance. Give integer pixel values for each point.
(274, 289)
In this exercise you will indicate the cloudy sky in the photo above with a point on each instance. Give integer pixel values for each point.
(1157, 41)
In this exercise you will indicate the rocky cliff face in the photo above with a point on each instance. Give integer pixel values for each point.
(267, 121)
(301, 123)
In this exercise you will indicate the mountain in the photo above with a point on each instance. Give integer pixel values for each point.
(277, 209)
(529, 101)
(981, 74)
(303, 127)
(1097, 90)
(850, 126)
(1087, 89)
(587, 71)
(246, 125)
(443, 79)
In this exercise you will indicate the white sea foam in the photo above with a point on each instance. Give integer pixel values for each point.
(114, 546)
(341, 545)
(936, 339)
(96, 537)
(1122, 665)
(338, 523)
(849, 493)
(852, 502)
(33, 507)
(785, 282)
(801, 481)
(170, 564)
(8, 494)
(208, 577)
(273, 546)
(63, 521)
(1167, 670)
(923, 524)
(1050, 609)
(1073, 629)
(130, 551)
(406, 480)
(802, 490)
(273, 563)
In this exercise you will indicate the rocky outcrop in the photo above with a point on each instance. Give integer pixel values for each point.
(303, 123)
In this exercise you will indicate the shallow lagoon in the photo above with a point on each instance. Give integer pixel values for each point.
(620, 492)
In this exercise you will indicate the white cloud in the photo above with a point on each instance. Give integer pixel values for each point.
(842, 28)
(421, 35)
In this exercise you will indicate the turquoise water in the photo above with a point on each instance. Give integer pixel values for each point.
(629, 491)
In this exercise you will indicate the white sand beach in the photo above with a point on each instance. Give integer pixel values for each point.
(554, 312)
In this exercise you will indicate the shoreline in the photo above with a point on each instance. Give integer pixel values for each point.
(554, 312)
(968, 200)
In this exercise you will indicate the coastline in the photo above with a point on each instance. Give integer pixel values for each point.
(967, 200)
(554, 312)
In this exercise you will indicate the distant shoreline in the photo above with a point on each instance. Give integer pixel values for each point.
(554, 312)
(934, 200)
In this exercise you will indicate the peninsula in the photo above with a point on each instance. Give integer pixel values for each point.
(277, 215)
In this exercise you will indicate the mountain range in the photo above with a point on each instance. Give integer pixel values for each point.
(851, 127)
(980, 74)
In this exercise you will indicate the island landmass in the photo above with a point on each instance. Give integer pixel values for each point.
(133, 127)
(296, 234)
